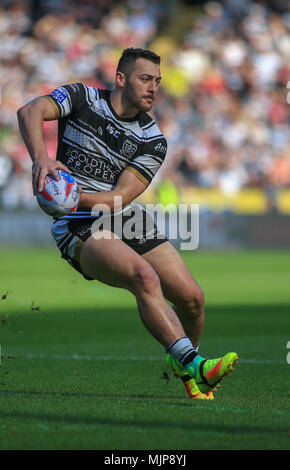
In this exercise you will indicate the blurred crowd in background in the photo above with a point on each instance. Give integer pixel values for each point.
(222, 104)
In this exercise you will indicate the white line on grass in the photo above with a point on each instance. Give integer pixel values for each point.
(129, 358)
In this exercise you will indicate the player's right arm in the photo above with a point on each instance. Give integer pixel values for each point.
(30, 118)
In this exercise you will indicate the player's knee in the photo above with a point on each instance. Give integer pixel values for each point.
(193, 300)
(145, 279)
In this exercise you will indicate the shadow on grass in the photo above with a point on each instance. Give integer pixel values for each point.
(94, 319)
(196, 425)
(69, 395)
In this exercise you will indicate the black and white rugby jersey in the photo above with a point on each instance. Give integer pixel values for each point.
(97, 145)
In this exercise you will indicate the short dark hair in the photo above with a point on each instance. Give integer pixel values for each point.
(129, 57)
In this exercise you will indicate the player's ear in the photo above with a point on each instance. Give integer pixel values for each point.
(120, 79)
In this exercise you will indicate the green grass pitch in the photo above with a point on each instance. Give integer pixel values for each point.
(79, 370)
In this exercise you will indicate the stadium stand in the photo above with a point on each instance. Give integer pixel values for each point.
(222, 105)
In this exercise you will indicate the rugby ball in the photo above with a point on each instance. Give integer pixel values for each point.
(61, 197)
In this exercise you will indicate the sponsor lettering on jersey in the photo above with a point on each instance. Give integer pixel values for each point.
(91, 167)
(161, 148)
(111, 129)
(60, 94)
(75, 88)
(97, 110)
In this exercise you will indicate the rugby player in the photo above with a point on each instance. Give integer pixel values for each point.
(113, 148)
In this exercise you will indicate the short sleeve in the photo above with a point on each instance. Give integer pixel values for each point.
(68, 98)
(145, 166)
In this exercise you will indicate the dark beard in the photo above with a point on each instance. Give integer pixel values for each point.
(129, 98)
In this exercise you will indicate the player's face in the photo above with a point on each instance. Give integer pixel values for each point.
(142, 85)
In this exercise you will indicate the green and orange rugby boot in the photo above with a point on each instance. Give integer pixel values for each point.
(192, 389)
(208, 373)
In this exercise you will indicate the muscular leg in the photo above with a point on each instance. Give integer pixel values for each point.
(112, 262)
(179, 287)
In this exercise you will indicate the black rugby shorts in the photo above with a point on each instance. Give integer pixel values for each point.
(134, 226)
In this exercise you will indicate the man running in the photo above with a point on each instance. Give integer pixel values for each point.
(113, 148)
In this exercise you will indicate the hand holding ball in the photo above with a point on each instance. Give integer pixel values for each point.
(59, 198)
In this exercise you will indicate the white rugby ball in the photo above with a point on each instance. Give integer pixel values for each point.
(61, 197)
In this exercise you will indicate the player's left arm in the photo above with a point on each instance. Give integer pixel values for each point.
(128, 188)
